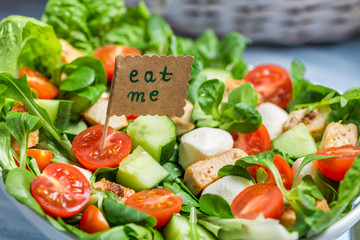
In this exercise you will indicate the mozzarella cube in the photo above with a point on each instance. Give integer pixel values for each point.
(273, 117)
(228, 187)
(309, 169)
(202, 143)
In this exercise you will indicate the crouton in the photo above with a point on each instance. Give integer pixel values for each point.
(33, 137)
(68, 52)
(288, 215)
(337, 135)
(201, 174)
(96, 114)
(184, 123)
(122, 192)
(315, 120)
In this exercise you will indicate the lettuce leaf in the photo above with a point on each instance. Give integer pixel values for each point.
(28, 42)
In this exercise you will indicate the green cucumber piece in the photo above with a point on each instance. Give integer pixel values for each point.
(178, 228)
(216, 73)
(156, 134)
(140, 171)
(296, 142)
(59, 111)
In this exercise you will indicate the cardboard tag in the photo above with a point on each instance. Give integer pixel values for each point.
(149, 85)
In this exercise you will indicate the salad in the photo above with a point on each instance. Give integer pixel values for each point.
(260, 153)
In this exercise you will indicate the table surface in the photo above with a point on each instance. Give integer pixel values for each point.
(335, 65)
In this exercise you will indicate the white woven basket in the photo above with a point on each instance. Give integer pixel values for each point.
(270, 21)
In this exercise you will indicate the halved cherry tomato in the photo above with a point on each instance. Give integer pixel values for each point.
(272, 82)
(335, 168)
(61, 190)
(258, 199)
(93, 221)
(159, 203)
(282, 166)
(108, 53)
(86, 147)
(253, 143)
(40, 83)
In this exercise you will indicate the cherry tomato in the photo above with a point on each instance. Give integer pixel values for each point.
(258, 199)
(335, 168)
(253, 143)
(93, 221)
(272, 82)
(132, 117)
(159, 203)
(40, 83)
(108, 53)
(61, 190)
(282, 166)
(42, 157)
(86, 147)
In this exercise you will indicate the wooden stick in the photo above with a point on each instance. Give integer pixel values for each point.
(104, 132)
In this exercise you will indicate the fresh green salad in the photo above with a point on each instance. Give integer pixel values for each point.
(260, 153)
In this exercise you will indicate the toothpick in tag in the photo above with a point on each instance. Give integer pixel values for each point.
(148, 85)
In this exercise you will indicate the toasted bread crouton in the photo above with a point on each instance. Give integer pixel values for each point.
(96, 114)
(337, 135)
(33, 137)
(184, 123)
(68, 52)
(201, 174)
(122, 192)
(315, 120)
(288, 215)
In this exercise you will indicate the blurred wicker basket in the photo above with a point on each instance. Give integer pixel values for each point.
(270, 21)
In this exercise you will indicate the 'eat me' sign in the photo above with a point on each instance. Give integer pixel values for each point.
(149, 85)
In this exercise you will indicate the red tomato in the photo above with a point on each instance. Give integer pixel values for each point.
(93, 221)
(159, 203)
(132, 117)
(258, 199)
(108, 53)
(335, 168)
(61, 190)
(86, 147)
(282, 166)
(42, 157)
(253, 143)
(40, 83)
(272, 82)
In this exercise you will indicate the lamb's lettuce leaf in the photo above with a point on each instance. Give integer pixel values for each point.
(28, 42)
(6, 160)
(215, 205)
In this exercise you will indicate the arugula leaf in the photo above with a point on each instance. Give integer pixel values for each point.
(17, 183)
(179, 188)
(243, 94)
(20, 126)
(235, 170)
(19, 89)
(28, 42)
(118, 213)
(209, 96)
(215, 205)
(242, 118)
(6, 160)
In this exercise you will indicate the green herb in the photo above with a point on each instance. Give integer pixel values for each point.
(174, 170)
(6, 160)
(194, 234)
(235, 170)
(215, 205)
(28, 42)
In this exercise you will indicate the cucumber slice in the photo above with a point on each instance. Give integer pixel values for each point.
(217, 73)
(59, 111)
(178, 228)
(155, 134)
(140, 171)
(297, 142)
